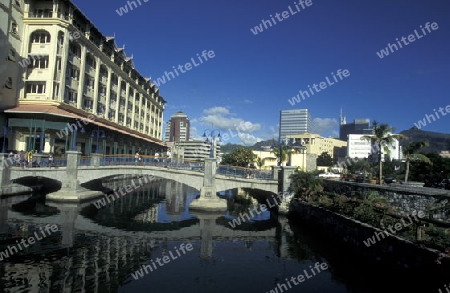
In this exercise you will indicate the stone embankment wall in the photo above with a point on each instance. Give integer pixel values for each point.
(403, 198)
(345, 232)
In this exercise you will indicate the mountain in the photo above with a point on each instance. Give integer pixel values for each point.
(437, 141)
(261, 144)
(229, 147)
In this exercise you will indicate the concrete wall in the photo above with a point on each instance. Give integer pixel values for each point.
(349, 233)
(402, 198)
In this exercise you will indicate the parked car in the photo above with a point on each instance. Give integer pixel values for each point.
(389, 180)
(329, 175)
(445, 184)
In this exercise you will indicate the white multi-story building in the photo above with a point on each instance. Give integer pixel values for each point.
(197, 150)
(361, 148)
(71, 71)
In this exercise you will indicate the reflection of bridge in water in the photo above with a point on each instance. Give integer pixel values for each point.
(90, 253)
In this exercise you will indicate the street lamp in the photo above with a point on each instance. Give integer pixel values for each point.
(6, 130)
(74, 143)
(211, 136)
(97, 133)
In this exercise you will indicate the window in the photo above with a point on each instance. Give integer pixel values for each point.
(181, 124)
(12, 55)
(111, 115)
(8, 83)
(43, 13)
(87, 103)
(40, 37)
(90, 61)
(72, 96)
(73, 73)
(58, 63)
(75, 49)
(36, 88)
(14, 28)
(39, 62)
(17, 2)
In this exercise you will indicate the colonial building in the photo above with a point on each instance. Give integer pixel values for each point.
(77, 89)
(316, 144)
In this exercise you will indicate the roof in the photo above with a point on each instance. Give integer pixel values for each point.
(71, 112)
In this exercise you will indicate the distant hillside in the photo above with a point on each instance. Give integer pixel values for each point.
(229, 147)
(265, 143)
(437, 141)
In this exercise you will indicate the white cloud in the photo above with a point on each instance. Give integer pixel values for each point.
(248, 139)
(222, 119)
(326, 126)
(216, 111)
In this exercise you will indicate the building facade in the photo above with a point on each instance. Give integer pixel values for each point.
(178, 128)
(295, 121)
(316, 144)
(78, 89)
(361, 149)
(358, 126)
(195, 150)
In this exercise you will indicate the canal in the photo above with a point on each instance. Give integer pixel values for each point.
(149, 241)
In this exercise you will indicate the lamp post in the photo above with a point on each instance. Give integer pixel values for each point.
(74, 143)
(97, 132)
(6, 130)
(211, 136)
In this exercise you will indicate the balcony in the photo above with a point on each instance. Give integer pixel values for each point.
(72, 83)
(88, 92)
(90, 70)
(74, 60)
(104, 80)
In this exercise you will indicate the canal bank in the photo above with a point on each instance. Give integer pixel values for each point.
(350, 235)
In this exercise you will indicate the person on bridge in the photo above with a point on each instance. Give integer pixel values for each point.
(50, 161)
(30, 159)
(137, 158)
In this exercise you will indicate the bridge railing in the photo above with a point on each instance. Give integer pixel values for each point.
(242, 172)
(173, 163)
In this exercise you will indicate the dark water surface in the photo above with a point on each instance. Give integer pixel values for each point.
(99, 250)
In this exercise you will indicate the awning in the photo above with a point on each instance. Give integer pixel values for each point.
(58, 111)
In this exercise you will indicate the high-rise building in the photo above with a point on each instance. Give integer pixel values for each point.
(66, 86)
(178, 128)
(294, 122)
(358, 126)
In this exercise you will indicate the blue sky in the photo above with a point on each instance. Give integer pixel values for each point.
(252, 77)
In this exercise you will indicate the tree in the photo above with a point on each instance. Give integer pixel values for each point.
(324, 159)
(259, 162)
(305, 184)
(409, 151)
(240, 156)
(281, 152)
(381, 139)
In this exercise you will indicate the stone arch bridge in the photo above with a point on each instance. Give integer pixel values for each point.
(208, 182)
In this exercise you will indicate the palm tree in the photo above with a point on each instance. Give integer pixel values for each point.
(381, 139)
(281, 152)
(259, 162)
(409, 151)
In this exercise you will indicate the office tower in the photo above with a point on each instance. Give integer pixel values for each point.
(294, 122)
(178, 128)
